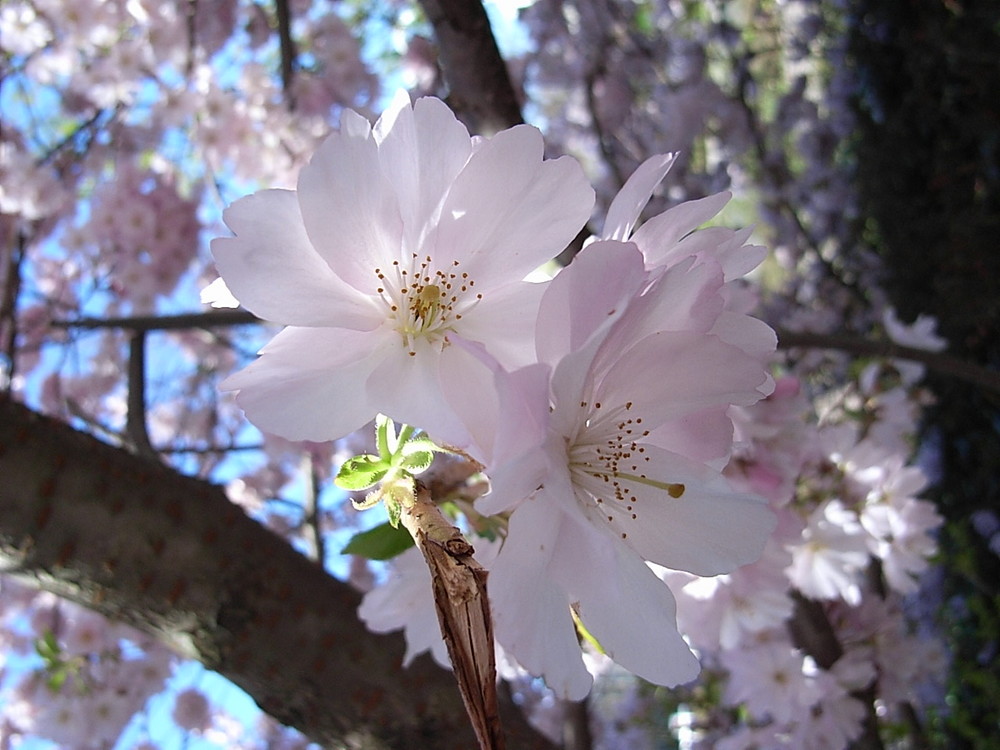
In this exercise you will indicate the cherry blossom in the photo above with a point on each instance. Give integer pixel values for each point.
(400, 241)
(616, 485)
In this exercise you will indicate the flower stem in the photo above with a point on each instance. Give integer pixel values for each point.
(463, 612)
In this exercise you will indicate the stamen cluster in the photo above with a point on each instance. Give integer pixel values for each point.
(425, 302)
(610, 449)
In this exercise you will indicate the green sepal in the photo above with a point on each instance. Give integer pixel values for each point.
(383, 542)
(371, 500)
(362, 472)
(394, 509)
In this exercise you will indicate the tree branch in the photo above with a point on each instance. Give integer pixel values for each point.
(939, 362)
(169, 554)
(289, 52)
(479, 85)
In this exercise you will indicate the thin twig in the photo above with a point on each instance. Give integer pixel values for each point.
(289, 52)
(213, 319)
(135, 420)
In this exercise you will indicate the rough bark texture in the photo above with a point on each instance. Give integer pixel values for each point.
(479, 85)
(171, 555)
(463, 610)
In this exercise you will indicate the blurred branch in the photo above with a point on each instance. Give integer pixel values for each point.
(479, 85)
(313, 512)
(169, 554)
(939, 362)
(812, 631)
(8, 307)
(213, 319)
(289, 53)
(135, 418)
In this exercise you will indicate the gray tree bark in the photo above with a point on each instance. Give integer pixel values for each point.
(170, 555)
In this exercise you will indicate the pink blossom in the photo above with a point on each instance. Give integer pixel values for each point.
(400, 242)
(619, 472)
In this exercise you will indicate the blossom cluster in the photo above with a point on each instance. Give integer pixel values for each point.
(143, 122)
(637, 448)
(598, 402)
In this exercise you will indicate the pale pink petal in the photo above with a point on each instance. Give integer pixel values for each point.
(709, 529)
(350, 210)
(684, 297)
(624, 211)
(421, 150)
(587, 296)
(409, 388)
(750, 334)
(622, 603)
(406, 601)
(531, 611)
(705, 436)
(508, 212)
(272, 268)
(673, 373)
(504, 320)
(516, 463)
(308, 383)
(656, 238)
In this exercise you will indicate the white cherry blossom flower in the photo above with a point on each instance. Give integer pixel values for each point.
(400, 241)
(617, 475)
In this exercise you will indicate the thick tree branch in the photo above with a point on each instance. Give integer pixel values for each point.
(171, 555)
(479, 85)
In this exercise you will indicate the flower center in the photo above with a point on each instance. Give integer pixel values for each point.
(424, 302)
(608, 459)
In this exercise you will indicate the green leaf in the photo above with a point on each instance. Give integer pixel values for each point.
(418, 461)
(382, 542)
(421, 443)
(361, 472)
(57, 679)
(47, 647)
(385, 436)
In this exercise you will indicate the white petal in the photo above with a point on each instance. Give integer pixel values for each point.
(630, 611)
(421, 150)
(624, 211)
(350, 210)
(308, 383)
(531, 611)
(710, 529)
(273, 269)
(587, 297)
(508, 211)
